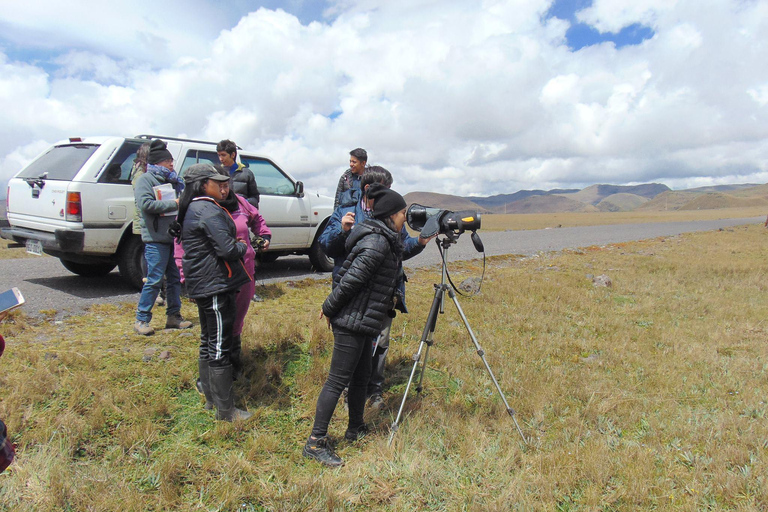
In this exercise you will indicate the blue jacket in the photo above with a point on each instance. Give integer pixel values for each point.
(333, 238)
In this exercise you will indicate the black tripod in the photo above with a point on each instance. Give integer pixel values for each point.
(427, 337)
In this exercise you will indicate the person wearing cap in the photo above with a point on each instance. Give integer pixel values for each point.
(248, 221)
(155, 217)
(350, 180)
(214, 272)
(362, 298)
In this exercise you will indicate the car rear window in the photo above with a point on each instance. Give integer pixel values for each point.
(61, 162)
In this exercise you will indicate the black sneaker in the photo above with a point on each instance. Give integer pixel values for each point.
(319, 450)
(353, 434)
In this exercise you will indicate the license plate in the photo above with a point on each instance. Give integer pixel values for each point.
(34, 247)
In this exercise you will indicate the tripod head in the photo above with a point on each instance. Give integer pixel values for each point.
(443, 244)
(452, 237)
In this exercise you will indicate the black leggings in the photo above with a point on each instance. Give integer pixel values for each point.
(350, 365)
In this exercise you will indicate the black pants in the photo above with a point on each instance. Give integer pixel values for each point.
(350, 365)
(217, 316)
(376, 384)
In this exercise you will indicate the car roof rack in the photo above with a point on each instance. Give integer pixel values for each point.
(149, 137)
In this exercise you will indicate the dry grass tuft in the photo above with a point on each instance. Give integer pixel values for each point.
(646, 395)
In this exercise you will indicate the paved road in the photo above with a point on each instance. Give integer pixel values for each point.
(47, 286)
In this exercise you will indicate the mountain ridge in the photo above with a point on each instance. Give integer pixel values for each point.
(602, 197)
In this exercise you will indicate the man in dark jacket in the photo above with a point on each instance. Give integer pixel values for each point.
(350, 180)
(243, 180)
(156, 214)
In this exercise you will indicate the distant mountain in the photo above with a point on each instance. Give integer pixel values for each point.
(606, 198)
(723, 188)
(443, 201)
(621, 202)
(545, 204)
(702, 199)
(596, 193)
(502, 199)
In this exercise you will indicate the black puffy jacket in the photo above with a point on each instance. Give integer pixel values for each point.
(363, 291)
(212, 255)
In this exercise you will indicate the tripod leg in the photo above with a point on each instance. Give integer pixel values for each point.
(481, 353)
(426, 339)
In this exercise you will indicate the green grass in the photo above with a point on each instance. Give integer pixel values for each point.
(649, 395)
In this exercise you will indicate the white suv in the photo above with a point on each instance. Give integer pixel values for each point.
(75, 202)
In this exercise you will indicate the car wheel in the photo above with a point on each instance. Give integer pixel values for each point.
(320, 261)
(130, 261)
(88, 269)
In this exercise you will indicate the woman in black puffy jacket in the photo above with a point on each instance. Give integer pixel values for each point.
(362, 297)
(214, 272)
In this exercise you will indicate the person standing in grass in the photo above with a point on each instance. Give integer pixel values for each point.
(214, 272)
(247, 220)
(353, 210)
(361, 300)
(156, 216)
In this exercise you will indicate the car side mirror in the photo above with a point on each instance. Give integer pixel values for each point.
(299, 189)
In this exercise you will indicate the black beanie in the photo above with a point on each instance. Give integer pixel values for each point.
(158, 152)
(386, 202)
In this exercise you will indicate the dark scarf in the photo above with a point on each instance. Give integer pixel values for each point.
(230, 203)
(167, 176)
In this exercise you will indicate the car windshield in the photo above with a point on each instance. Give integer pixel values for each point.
(269, 179)
(60, 163)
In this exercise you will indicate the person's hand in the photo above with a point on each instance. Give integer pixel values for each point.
(265, 245)
(3, 315)
(177, 201)
(425, 241)
(347, 221)
(327, 320)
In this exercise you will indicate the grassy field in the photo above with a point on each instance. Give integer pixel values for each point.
(498, 222)
(646, 395)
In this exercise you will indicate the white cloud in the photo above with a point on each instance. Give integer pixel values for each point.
(452, 97)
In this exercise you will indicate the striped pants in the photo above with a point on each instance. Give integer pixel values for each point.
(217, 316)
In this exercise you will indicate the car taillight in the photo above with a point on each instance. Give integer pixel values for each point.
(75, 139)
(74, 207)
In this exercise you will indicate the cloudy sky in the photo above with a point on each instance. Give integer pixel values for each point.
(461, 97)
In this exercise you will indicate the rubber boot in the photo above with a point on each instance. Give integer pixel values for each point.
(234, 356)
(203, 384)
(220, 378)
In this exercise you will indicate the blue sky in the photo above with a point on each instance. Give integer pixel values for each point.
(581, 34)
(471, 98)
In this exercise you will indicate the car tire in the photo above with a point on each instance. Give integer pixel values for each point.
(130, 261)
(320, 261)
(88, 269)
